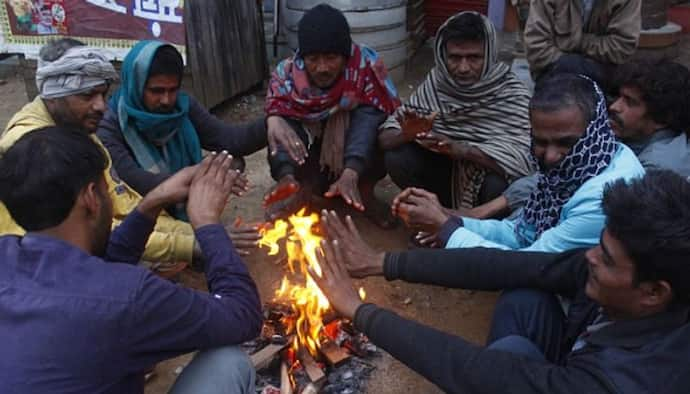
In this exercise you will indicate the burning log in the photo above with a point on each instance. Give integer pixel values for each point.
(333, 353)
(314, 372)
(263, 357)
(285, 382)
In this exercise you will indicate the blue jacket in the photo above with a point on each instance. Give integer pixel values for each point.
(75, 323)
(580, 224)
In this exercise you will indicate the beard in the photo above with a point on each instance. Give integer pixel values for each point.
(102, 227)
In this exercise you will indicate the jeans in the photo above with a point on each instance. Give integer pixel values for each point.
(225, 370)
(528, 322)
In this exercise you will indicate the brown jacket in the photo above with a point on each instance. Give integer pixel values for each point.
(555, 27)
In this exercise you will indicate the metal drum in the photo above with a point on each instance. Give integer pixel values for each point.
(379, 24)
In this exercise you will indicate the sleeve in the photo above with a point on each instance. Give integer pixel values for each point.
(486, 233)
(128, 240)
(361, 137)
(123, 160)
(519, 191)
(621, 37)
(216, 135)
(167, 320)
(457, 366)
(170, 241)
(540, 36)
(580, 228)
(489, 269)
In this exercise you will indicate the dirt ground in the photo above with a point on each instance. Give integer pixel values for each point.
(459, 312)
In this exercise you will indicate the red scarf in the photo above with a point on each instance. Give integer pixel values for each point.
(364, 82)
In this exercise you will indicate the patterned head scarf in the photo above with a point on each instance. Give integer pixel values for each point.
(78, 70)
(589, 157)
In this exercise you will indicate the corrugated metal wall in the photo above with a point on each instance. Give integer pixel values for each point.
(225, 48)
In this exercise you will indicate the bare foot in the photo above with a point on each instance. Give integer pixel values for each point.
(286, 187)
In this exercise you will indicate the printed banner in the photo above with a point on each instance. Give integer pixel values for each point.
(112, 24)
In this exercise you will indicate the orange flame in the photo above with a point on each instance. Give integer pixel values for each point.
(307, 299)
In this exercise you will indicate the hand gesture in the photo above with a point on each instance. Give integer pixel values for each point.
(347, 187)
(420, 210)
(412, 124)
(210, 189)
(441, 144)
(281, 134)
(245, 237)
(334, 281)
(359, 259)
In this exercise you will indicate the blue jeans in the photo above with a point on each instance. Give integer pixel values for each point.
(225, 370)
(528, 322)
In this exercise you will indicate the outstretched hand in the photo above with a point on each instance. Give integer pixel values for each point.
(347, 187)
(172, 191)
(358, 258)
(420, 210)
(334, 281)
(210, 189)
(281, 134)
(413, 124)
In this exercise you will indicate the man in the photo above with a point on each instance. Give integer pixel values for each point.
(581, 36)
(323, 108)
(650, 115)
(73, 81)
(577, 154)
(479, 139)
(625, 332)
(152, 129)
(78, 315)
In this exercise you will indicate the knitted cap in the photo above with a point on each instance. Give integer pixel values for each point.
(324, 29)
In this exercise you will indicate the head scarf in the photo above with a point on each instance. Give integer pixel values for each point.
(491, 114)
(364, 82)
(589, 157)
(78, 70)
(161, 143)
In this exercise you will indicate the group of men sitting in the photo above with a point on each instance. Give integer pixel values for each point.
(574, 201)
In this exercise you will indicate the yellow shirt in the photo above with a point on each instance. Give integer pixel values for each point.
(171, 240)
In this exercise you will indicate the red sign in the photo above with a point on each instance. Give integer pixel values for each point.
(97, 19)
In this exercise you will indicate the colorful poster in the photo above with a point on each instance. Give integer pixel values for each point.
(113, 24)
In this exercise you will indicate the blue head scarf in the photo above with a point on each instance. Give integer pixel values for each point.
(161, 143)
(589, 157)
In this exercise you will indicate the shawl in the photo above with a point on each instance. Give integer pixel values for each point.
(491, 114)
(78, 70)
(364, 81)
(161, 143)
(589, 157)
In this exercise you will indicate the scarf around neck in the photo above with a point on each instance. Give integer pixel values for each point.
(161, 143)
(364, 81)
(589, 157)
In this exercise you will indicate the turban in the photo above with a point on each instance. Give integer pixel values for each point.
(80, 69)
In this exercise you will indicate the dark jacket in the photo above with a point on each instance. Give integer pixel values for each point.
(76, 323)
(649, 355)
(214, 135)
(360, 143)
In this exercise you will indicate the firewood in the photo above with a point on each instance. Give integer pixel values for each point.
(263, 357)
(315, 374)
(285, 384)
(333, 353)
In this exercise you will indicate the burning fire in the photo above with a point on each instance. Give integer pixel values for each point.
(305, 297)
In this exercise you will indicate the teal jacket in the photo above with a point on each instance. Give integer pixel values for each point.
(580, 225)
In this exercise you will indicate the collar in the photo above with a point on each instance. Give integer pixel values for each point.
(662, 134)
(638, 332)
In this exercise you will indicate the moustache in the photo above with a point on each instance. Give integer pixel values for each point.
(614, 118)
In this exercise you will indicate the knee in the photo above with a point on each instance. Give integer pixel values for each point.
(399, 162)
(220, 370)
(492, 187)
(517, 344)
(524, 300)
